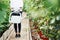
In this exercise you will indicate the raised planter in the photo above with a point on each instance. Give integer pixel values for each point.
(6, 33)
(34, 34)
(37, 35)
(1, 38)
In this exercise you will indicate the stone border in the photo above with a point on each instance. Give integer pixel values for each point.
(1, 38)
(6, 33)
(30, 37)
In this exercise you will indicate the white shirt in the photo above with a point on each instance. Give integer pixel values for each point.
(16, 4)
(15, 19)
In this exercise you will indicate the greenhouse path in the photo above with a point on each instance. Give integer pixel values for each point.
(25, 31)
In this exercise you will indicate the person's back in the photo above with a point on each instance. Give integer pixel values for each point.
(15, 16)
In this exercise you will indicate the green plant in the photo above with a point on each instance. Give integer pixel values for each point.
(45, 14)
(4, 16)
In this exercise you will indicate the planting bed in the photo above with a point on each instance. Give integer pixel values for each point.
(36, 33)
(5, 33)
(2, 30)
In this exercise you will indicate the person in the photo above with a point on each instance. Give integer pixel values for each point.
(15, 18)
(16, 15)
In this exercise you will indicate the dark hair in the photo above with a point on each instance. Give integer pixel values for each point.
(15, 14)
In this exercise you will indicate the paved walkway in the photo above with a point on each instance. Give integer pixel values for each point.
(25, 31)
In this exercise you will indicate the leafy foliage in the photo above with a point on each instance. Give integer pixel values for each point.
(4, 15)
(45, 14)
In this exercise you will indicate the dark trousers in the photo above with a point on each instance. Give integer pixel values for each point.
(19, 27)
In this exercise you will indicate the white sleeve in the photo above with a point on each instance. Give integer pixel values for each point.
(21, 3)
(11, 1)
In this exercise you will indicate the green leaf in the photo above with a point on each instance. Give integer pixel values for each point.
(58, 17)
(52, 21)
